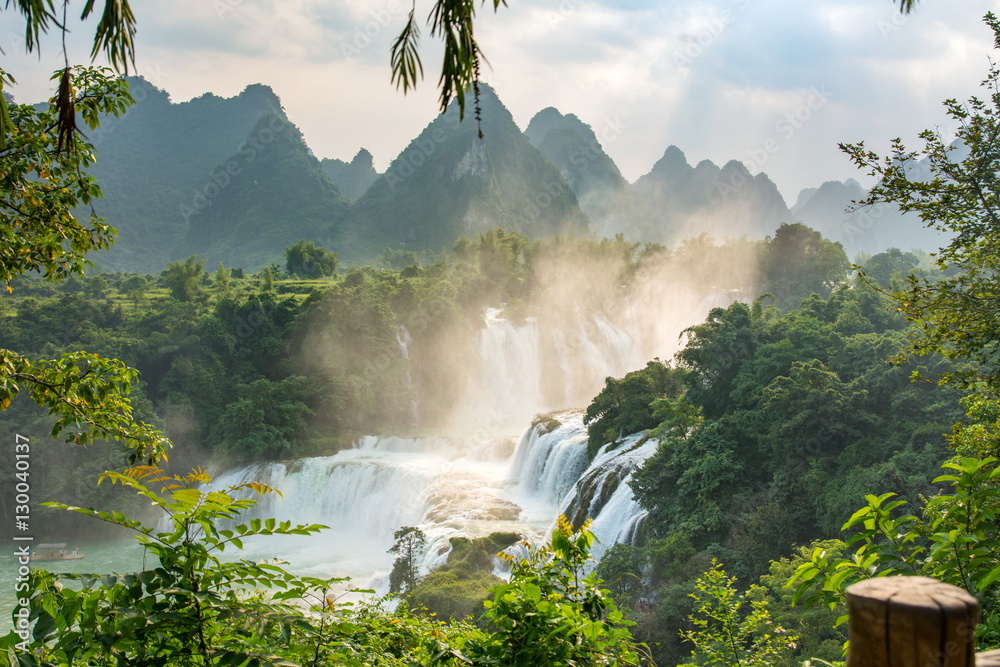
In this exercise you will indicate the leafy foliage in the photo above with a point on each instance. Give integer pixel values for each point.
(453, 22)
(183, 279)
(307, 260)
(784, 420)
(114, 36)
(41, 185)
(457, 589)
(87, 393)
(625, 406)
(552, 613)
(798, 262)
(193, 607)
(724, 634)
(410, 543)
(953, 313)
(952, 538)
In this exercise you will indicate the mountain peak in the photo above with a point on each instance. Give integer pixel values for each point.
(449, 182)
(259, 92)
(363, 159)
(142, 89)
(547, 119)
(736, 167)
(352, 178)
(673, 161)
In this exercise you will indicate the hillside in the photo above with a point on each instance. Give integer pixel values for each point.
(154, 165)
(573, 147)
(205, 177)
(271, 193)
(449, 182)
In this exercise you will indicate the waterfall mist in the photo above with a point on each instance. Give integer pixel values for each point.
(591, 314)
(469, 361)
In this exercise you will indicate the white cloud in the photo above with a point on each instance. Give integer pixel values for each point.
(754, 62)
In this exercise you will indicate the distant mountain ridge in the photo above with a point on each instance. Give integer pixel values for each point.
(573, 147)
(449, 182)
(154, 165)
(231, 180)
(352, 178)
(271, 174)
(675, 201)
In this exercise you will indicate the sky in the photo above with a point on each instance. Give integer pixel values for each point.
(775, 84)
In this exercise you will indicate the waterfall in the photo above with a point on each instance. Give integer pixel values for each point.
(403, 339)
(479, 481)
(551, 456)
(603, 494)
(366, 493)
(550, 464)
(506, 388)
(534, 366)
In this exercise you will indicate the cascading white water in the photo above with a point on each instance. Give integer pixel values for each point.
(551, 464)
(403, 339)
(477, 483)
(507, 387)
(604, 495)
(548, 461)
(527, 368)
(364, 494)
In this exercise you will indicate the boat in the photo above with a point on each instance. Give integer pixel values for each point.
(55, 551)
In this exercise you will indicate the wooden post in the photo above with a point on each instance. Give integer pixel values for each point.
(911, 622)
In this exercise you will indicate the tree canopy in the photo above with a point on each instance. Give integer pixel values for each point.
(955, 312)
(41, 183)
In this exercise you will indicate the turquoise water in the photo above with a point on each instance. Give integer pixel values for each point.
(308, 556)
(101, 558)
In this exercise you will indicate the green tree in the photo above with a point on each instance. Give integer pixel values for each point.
(952, 537)
(625, 405)
(42, 180)
(553, 613)
(222, 277)
(307, 260)
(818, 634)
(268, 276)
(954, 313)
(717, 350)
(264, 421)
(183, 279)
(889, 267)
(724, 635)
(798, 261)
(410, 543)
(114, 36)
(621, 568)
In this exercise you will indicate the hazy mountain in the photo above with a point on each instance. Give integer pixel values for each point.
(830, 210)
(804, 196)
(450, 182)
(154, 164)
(231, 180)
(272, 192)
(352, 178)
(676, 201)
(572, 146)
